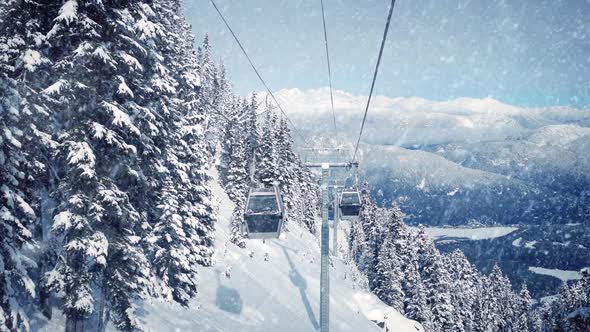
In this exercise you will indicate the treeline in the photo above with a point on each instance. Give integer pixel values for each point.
(570, 309)
(445, 292)
(257, 149)
(105, 142)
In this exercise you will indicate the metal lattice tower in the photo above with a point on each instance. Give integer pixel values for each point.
(325, 255)
(334, 164)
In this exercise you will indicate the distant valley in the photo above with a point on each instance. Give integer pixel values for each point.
(460, 161)
(542, 256)
(472, 163)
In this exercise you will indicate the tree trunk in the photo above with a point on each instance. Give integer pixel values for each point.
(102, 318)
(74, 325)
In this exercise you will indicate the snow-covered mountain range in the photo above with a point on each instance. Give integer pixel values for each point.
(462, 160)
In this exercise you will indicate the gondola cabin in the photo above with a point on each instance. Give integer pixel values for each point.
(264, 213)
(350, 204)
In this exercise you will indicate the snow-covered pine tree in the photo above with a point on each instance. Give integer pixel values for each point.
(357, 244)
(266, 167)
(192, 129)
(226, 142)
(388, 274)
(26, 122)
(251, 129)
(496, 307)
(236, 227)
(233, 165)
(370, 220)
(415, 305)
(536, 321)
(392, 259)
(570, 312)
(16, 214)
(484, 306)
(463, 288)
(401, 234)
(441, 292)
(212, 92)
(309, 198)
(181, 237)
(509, 304)
(217, 104)
(208, 71)
(437, 282)
(287, 164)
(545, 317)
(287, 160)
(114, 96)
(524, 311)
(579, 318)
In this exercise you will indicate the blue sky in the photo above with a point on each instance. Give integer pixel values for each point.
(522, 52)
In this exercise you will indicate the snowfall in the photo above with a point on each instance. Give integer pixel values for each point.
(243, 291)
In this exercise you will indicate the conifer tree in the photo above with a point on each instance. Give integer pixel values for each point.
(208, 72)
(415, 305)
(234, 165)
(524, 311)
(235, 162)
(498, 300)
(266, 167)
(309, 198)
(463, 288)
(19, 59)
(251, 129)
(181, 236)
(370, 219)
(392, 259)
(443, 293)
(237, 221)
(357, 244)
(438, 284)
(287, 164)
(570, 311)
(480, 315)
(388, 283)
(124, 154)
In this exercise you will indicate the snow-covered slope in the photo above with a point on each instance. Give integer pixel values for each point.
(563, 275)
(281, 294)
(433, 190)
(475, 233)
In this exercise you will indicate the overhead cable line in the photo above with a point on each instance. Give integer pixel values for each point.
(374, 79)
(329, 70)
(255, 70)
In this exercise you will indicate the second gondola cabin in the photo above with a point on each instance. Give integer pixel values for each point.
(350, 204)
(264, 214)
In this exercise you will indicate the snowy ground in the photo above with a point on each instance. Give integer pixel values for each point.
(563, 275)
(476, 233)
(281, 294)
(528, 244)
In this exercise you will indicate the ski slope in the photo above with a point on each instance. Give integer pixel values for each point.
(280, 294)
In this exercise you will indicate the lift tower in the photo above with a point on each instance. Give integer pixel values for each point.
(328, 160)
